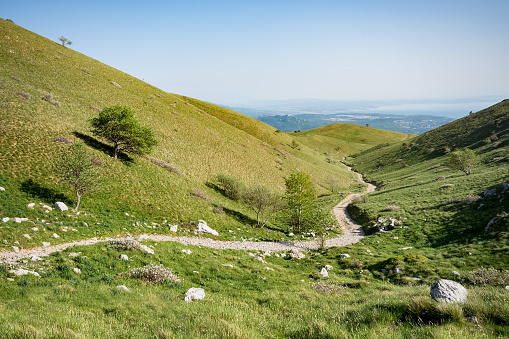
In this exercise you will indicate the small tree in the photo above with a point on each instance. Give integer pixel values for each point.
(463, 160)
(65, 41)
(118, 125)
(75, 168)
(321, 220)
(264, 202)
(299, 197)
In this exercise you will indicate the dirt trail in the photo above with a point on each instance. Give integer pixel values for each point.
(352, 233)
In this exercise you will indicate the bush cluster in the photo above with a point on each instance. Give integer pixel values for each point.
(154, 274)
(233, 188)
(165, 165)
(49, 98)
(124, 244)
(486, 277)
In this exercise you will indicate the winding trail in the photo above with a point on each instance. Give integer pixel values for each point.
(352, 233)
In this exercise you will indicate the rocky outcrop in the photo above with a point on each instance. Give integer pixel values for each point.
(448, 291)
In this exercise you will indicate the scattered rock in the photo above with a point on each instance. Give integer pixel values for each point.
(31, 205)
(34, 257)
(21, 271)
(74, 254)
(19, 220)
(122, 288)
(45, 244)
(174, 228)
(187, 251)
(455, 272)
(448, 291)
(397, 270)
(291, 234)
(489, 193)
(473, 319)
(60, 206)
(2, 189)
(507, 288)
(324, 273)
(35, 229)
(384, 271)
(123, 257)
(268, 268)
(15, 249)
(47, 207)
(202, 227)
(194, 293)
(6, 219)
(405, 248)
(10, 279)
(228, 265)
(259, 258)
(76, 270)
(343, 256)
(146, 249)
(493, 222)
(55, 235)
(27, 236)
(328, 267)
(297, 254)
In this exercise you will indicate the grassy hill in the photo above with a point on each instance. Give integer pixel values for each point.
(446, 212)
(278, 297)
(346, 139)
(196, 139)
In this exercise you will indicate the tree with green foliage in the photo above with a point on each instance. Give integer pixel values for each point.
(118, 125)
(75, 168)
(463, 160)
(299, 197)
(264, 202)
(320, 220)
(65, 41)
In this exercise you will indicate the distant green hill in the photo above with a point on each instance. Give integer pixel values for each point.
(345, 139)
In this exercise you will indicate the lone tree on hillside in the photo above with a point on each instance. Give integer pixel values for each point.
(65, 41)
(75, 168)
(299, 197)
(264, 202)
(118, 125)
(463, 160)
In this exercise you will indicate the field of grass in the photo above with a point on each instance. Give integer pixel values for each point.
(272, 299)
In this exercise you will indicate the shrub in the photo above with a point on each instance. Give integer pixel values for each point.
(486, 276)
(392, 208)
(96, 162)
(493, 137)
(356, 263)
(165, 165)
(154, 274)
(97, 109)
(329, 287)
(218, 209)
(199, 194)
(470, 199)
(446, 186)
(124, 244)
(49, 98)
(24, 95)
(63, 140)
(232, 187)
(433, 167)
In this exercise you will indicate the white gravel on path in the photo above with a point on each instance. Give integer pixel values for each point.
(352, 233)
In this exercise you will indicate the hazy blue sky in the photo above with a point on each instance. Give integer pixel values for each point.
(230, 51)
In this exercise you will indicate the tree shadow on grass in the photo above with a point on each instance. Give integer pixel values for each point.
(49, 195)
(101, 146)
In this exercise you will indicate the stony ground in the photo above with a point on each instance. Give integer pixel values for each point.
(352, 233)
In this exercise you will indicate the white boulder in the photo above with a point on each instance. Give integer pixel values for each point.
(174, 228)
(202, 227)
(55, 235)
(187, 251)
(123, 257)
(324, 273)
(61, 206)
(31, 205)
(21, 271)
(45, 244)
(2, 189)
(194, 293)
(6, 219)
(142, 237)
(448, 291)
(27, 236)
(328, 267)
(15, 249)
(343, 256)
(76, 270)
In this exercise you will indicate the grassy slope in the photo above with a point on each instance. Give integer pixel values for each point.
(198, 138)
(345, 139)
(443, 223)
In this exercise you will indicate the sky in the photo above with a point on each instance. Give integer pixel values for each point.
(234, 52)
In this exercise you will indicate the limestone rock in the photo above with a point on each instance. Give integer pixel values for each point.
(448, 291)
(324, 273)
(187, 251)
(15, 249)
(174, 228)
(31, 205)
(202, 227)
(194, 293)
(123, 257)
(60, 206)
(76, 270)
(122, 288)
(455, 272)
(146, 249)
(397, 270)
(2, 189)
(6, 219)
(45, 244)
(142, 237)
(297, 255)
(343, 256)
(27, 236)
(489, 193)
(328, 267)
(55, 235)
(21, 271)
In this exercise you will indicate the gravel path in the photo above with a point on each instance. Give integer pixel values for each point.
(352, 233)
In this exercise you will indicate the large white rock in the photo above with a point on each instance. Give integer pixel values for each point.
(45, 244)
(174, 228)
(122, 288)
(31, 205)
(448, 291)
(123, 257)
(60, 206)
(324, 273)
(194, 293)
(202, 227)
(6, 219)
(2, 189)
(15, 249)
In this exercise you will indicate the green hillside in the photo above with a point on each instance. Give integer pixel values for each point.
(446, 211)
(197, 139)
(346, 139)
